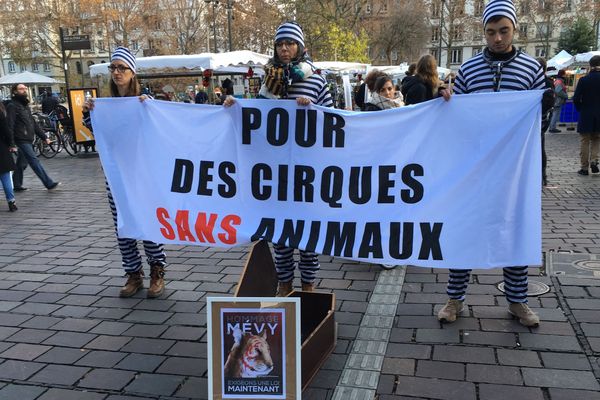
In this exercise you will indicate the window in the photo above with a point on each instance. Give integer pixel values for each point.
(22, 67)
(394, 55)
(384, 7)
(12, 67)
(543, 30)
(525, 7)
(35, 67)
(100, 45)
(90, 63)
(540, 51)
(523, 31)
(46, 67)
(456, 56)
(434, 53)
(457, 32)
(569, 5)
(479, 7)
(78, 67)
(477, 32)
(368, 8)
(435, 8)
(435, 33)
(545, 5)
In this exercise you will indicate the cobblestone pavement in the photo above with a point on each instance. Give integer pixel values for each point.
(65, 334)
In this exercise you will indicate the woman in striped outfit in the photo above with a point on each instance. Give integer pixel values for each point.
(500, 67)
(291, 75)
(124, 83)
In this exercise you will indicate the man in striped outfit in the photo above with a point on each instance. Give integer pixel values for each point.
(499, 67)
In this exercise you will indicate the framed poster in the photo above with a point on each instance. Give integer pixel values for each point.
(253, 348)
(77, 98)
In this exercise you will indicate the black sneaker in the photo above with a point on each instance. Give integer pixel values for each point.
(583, 172)
(20, 189)
(12, 206)
(594, 168)
(53, 186)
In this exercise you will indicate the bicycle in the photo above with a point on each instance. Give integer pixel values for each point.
(47, 150)
(65, 129)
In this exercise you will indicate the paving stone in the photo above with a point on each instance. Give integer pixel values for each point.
(490, 338)
(503, 392)
(41, 322)
(31, 336)
(141, 362)
(398, 366)
(464, 354)
(435, 388)
(36, 308)
(415, 351)
(193, 388)
(23, 351)
(46, 297)
(442, 370)
(437, 336)
(102, 359)
(6, 332)
(566, 361)
(106, 379)
(569, 394)
(149, 317)
(155, 384)
(104, 342)
(188, 349)
(19, 370)
(185, 333)
(183, 366)
(21, 392)
(148, 346)
(59, 375)
(494, 374)
(13, 319)
(76, 324)
(111, 328)
(69, 339)
(61, 355)
(519, 358)
(558, 378)
(64, 394)
(549, 342)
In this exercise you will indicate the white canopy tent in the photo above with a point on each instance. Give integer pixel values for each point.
(561, 60)
(27, 78)
(238, 60)
(341, 67)
(585, 57)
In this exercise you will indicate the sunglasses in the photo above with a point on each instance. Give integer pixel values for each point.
(286, 43)
(120, 68)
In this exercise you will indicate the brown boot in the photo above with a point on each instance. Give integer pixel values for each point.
(135, 281)
(308, 287)
(284, 288)
(157, 282)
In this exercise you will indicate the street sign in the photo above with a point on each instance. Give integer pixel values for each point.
(76, 42)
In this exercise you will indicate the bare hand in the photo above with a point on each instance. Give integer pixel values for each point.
(48, 141)
(13, 149)
(143, 98)
(446, 94)
(88, 105)
(229, 101)
(303, 101)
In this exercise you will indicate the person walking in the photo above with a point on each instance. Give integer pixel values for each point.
(560, 98)
(500, 67)
(7, 164)
(22, 128)
(290, 74)
(587, 104)
(425, 84)
(124, 83)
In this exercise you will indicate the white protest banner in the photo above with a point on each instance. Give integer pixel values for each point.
(440, 184)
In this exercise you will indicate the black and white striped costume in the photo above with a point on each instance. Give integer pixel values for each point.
(130, 255)
(487, 73)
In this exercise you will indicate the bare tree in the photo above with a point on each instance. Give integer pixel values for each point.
(254, 24)
(183, 26)
(544, 17)
(404, 32)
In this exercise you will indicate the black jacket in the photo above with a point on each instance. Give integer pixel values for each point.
(416, 91)
(6, 159)
(587, 103)
(21, 125)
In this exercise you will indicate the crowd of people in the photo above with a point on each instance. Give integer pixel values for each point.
(290, 75)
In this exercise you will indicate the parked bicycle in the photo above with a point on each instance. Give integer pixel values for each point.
(57, 127)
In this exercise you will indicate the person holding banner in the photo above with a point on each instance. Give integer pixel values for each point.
(124, 83)
(499, 67)
(291, 75)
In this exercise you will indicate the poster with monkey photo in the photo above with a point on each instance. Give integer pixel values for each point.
(256, 347)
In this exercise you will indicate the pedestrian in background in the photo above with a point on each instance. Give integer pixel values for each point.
(426, 84)
(124, 83)
(23, 128)
(7, 164)
(383, 96)
(587, 103)
(291, 75)
(500, 67)
(560, 98)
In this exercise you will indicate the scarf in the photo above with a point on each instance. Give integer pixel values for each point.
(279, 76)
(383, 102)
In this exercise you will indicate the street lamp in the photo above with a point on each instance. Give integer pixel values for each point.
(214, 6)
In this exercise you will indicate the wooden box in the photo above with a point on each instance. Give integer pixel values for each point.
(318, 328)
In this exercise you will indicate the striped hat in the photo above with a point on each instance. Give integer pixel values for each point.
(500, 8)
(290, 31)
(125, 55)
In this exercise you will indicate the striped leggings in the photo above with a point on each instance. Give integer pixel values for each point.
(515, 284)
(132, 260)
(284, 264)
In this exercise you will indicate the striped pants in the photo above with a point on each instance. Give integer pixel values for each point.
(515, 284)
(284, 264)
(132, 260)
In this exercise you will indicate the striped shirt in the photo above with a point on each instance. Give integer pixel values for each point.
(522, 72)
(314, 88)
